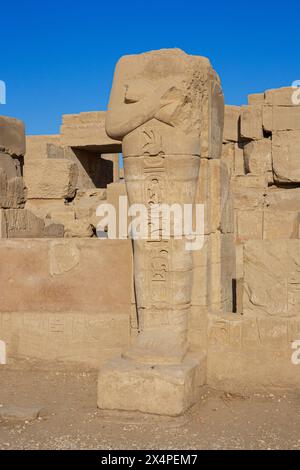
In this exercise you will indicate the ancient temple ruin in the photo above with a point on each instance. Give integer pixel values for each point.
(158, 321)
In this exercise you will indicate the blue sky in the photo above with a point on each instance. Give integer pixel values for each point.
(58, 57)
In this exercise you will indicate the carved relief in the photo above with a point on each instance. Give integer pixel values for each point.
(155, 108)
(158, 269)
(154, 190)
(153, 142)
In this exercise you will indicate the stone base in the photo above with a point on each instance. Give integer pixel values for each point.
(169, 390)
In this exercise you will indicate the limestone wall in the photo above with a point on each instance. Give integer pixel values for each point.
(261, 149)
(252, 350)
(15, 221)
(66, 300)
(252, 354)
(59, 299)
(69, 172)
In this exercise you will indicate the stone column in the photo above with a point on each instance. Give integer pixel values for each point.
(159, 108)
(161, 167)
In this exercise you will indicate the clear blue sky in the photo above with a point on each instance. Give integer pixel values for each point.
(58, 56)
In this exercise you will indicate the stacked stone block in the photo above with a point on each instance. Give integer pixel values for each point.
(261, 148)
(15, 221)
(67, 174)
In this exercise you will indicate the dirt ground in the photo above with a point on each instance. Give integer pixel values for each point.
(70, 419)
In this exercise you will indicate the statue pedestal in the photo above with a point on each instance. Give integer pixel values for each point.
(170, 389)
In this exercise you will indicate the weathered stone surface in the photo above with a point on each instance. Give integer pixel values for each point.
(44, 208)
(8, 165)
(12, 136)
(258, 158)
(16, 193)
(272, 278)
(53, 230)
(72, 337)
(266, 224)
(281, 118)
(249, 225)
(267, 113)
(3, 186)
(38, 147)
(248, 198)
(87, 130)
(21, 223)
(95, 167)
(286, 156)
(239, 163)
(197, 331)
(78, 229)
(55, 151)
(252, 122)
(86, 203)
(199, 295)
(212, 117)
(3, 227)
(256, 98)
(160, 389)
(280, 96)
(249, 181)
(180, 110)
(232, 123)
(12, 192)
(51, 179)
(115, 191)
(228, 156)
(280, 225)
(200, 287)
(251, 354)
(232, 155)
(66, 269)
(62, 216)
(220, 271)
(283, 199)
(76, 313)
(220, 209)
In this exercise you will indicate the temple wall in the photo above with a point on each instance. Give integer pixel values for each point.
(245, 293)
(67, 174)
(60, 300)
(261, 150)
(253, 349)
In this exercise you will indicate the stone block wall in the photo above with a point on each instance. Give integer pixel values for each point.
(15, 221)
(253, 349)
(60, 300)
(249, 263)
(261, 148)
(67, 174)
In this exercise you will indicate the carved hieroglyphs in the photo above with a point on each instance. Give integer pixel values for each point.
(161, 108)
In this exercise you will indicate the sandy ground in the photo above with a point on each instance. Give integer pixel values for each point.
(70, 419)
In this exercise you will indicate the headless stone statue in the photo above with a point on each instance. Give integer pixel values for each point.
(155, 109)
(159, 107)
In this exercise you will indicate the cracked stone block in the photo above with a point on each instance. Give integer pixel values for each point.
(272, 278)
